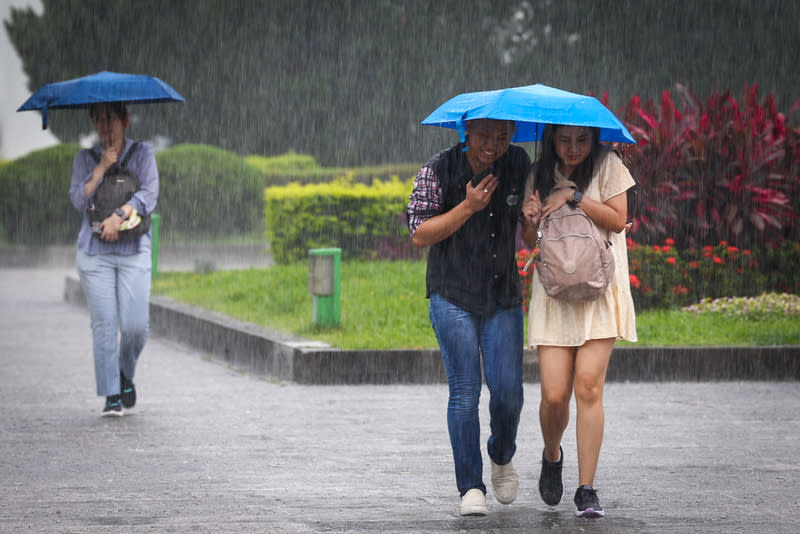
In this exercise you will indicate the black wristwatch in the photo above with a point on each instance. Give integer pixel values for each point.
(577, 196)
(121, 213)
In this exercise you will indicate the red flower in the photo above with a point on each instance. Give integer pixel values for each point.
(669, 241)
(718, 260)
(635, 282)
(671, 260)
(693, 264)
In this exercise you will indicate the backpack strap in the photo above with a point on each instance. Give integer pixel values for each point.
(131, 150)
(565, 184)
(124, 163)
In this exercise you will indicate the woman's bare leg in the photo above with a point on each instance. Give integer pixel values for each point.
(556, 367)
(591, 364)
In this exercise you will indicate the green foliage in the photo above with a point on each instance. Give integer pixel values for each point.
(351, 216)
(723, 171)
(662, 276)
(780, 266)
(285, 163)
(316, 175)
(34, 202)
(207, 191)
(349, 81)
(752, 307)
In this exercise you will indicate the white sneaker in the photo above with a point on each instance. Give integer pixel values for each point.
(505, 482)
(474, 503)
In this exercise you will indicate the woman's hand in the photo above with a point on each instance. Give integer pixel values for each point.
(110, 227)
(532, 210)
(555, 200)
(110, 157)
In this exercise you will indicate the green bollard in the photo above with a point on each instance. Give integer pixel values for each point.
(155, 226)
(325, 284)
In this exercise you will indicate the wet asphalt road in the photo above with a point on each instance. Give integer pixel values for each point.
(209, 449)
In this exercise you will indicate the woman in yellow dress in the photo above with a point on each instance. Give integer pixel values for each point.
(575, 339)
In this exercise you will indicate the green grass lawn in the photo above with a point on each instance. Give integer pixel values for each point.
(383, 306)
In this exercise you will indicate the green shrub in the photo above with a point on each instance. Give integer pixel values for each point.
(351, 216)
(753, 307)
(779, 264)
(34, 198)
(288, 162)
(207, 191)
(664, 277)
(317, 175)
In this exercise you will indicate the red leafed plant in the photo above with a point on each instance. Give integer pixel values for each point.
(722, 171)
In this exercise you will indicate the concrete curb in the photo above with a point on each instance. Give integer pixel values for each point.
(265, 352)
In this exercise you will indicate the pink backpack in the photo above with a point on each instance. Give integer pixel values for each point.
(574, 262)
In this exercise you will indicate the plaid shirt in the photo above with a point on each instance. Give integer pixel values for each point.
(425, 200)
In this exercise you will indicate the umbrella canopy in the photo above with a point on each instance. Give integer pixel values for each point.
(97, 88)
(531, 107)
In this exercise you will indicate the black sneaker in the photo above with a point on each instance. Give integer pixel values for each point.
(127, 391)
(113, 406)
(587, 503)
(551, 487)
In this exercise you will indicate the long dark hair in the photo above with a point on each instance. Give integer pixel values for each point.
(544, 168)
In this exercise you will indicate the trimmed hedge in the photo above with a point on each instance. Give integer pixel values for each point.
(352, 216)
(302, 169)
(34, 198)
(207, 191)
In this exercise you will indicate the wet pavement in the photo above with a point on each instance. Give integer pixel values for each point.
(211, 449)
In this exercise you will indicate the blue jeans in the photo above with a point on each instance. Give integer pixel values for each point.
(117, 290)
(463, 337)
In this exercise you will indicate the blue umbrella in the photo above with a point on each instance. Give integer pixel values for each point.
(97, 88)
(531, 107)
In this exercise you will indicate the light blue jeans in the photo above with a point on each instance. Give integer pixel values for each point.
(463, 337)
(117, 290)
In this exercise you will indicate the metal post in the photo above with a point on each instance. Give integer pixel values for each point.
(324, 283)
(155, 226)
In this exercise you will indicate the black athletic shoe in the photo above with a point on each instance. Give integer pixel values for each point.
(113, 406)
(551, 487)
(587, 504)
(128, 391)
